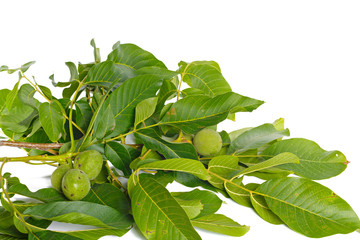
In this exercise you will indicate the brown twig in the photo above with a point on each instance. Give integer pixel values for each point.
(46, 146)
(39, 146)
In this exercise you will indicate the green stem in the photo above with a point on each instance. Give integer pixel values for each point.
(72, 149)
(181, 80)
(61, 159)
(133, 131)
(34, 85)
(114, 178)
(92, 121)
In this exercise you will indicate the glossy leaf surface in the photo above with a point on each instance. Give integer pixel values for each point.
(256, 137)
(119, 156)
(194, 167)
(315, 162)
(108, 73)
(308, 207)
(52, 119)
(220, 224)
(133, 56)
(206, 76)
(193, 113)
(79, 212)
(157, 214)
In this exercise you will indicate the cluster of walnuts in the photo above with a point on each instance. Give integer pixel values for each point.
(74, 179)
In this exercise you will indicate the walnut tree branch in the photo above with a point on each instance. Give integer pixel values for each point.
(39, 146)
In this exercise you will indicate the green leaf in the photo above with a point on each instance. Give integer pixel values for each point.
(51, 235)
(282, 158)
(46, 91)
(161, 72)
(33, 224)
(263, 210)
(191, 92)
(26, 66)
(271, 173)
(83, 114)
(210, 201)
(164, 177)
(315, 162)
(119, 156)
(26, 96)
(170, 150)
(52, 79)
(167, 91)
(144, 110)
(124, 99)
(52, 119)
(308, 207)
(279, 124)
(11, 233)
(17, 120)
(255, 138)
(193, 113)
(134, 57)
(225, 138)
(73, 71)
(108, 195)
(96, 51)
(238, 192)
(12, 96)
(108, 73)
(6, 220)
(88, 234)
(157, 214)
(23, 68)
(44, 194)
(106, 124)
(220, 224)
(68, 92)
(206, 76)
(7, 237)
(194, 167)
(192, 181)
(191, 207)
(3, 96)
(234, 134)
(80, 212)
(3, 68)
(223, 167)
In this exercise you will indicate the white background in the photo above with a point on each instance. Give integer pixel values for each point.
(301, 57)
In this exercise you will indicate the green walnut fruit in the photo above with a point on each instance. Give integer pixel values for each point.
(75, 184)
(57, 175)
(90, 162)
(207, 142)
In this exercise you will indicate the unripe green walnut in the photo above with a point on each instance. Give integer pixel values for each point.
(207, 142)
(57, 175)
(90, 162)
(75, 184)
